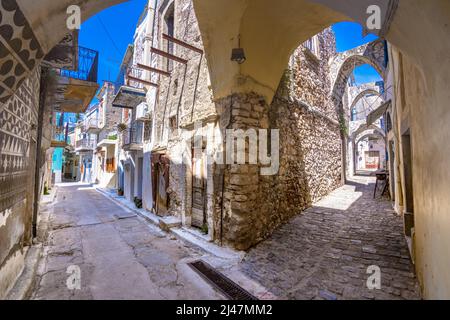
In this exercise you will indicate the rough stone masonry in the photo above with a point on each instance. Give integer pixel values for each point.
(243, 207)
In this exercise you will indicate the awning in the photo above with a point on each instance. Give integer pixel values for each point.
(106, 142)
(129, 97)
(71, 95)
(58, 144)
(378, 113)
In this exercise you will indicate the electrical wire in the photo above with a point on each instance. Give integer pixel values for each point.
(108, 34)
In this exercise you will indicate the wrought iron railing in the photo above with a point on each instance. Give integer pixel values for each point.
(91, 123)
(85, 143)
(87, 66)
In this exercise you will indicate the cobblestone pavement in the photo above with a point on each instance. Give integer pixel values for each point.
(325, 252)
(119, 255)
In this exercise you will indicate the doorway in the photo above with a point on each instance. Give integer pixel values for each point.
(391, 159)
(140, 171)
(199, 182)
(160, 183)
(409, 192)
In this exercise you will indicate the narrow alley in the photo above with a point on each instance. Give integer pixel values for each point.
(120, 256)
(324, 253)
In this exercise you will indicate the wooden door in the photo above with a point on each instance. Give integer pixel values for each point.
(198, 191)
(162, 183)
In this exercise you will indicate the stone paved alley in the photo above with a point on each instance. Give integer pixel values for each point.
(119, 254)
(324, 253)
(321, 254)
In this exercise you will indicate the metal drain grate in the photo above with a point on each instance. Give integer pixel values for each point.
(229, 288)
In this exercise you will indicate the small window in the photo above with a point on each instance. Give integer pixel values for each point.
(148, 131)
(173, 122)
(175, 87)
(373, 154)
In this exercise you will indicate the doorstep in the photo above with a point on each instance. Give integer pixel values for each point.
(173, 225)
(198, 240)
(24, 284)
(49, 198)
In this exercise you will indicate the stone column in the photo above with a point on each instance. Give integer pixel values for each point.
(241, 220)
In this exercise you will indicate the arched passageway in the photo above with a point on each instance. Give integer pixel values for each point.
(362, 95)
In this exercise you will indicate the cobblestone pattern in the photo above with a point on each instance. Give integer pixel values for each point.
(325, 252)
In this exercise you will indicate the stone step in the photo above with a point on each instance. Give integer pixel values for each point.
(168, 223)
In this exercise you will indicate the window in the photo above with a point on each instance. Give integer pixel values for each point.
(313, 46)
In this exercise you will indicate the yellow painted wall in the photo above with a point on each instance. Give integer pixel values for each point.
(421, 30)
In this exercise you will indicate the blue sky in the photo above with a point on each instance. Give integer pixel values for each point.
(348, 36)
(120, 22)
(110, 32)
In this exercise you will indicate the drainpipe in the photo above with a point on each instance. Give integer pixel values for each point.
(223, 173)
(40, 125)
(149, 33)
(154, 29)
(149, 42)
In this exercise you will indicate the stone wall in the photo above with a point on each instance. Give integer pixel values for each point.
(183, 98)
(310, 150)
(18, 133)
(112, 115)
(252, 205)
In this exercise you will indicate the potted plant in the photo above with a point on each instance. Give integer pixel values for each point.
(121, 127)
(120, 192)
(138, 202)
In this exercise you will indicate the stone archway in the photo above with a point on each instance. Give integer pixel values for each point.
(363, 128)
(379, 147)
(43, 24)
(343, 65)
(362, 131)
(282, 27)
(362, 94)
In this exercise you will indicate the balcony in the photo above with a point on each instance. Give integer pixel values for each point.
(129, 97)
(92, 126)
(107, 141)
(85, 145)
(132, 138)
(130, 93)
(73, 91)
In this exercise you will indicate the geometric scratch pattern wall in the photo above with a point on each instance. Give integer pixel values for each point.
(18, 116)
(20, 51)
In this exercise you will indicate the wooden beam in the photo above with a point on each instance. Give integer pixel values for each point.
(182, 43)
(169, 56)
(148, 83)
(148, 68)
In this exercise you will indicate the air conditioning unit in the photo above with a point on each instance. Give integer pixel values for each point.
(142, 112)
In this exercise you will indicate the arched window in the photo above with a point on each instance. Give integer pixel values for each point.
(388, 122)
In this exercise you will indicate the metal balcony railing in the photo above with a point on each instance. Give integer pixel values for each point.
(91, 123)
(85, 144)
(87, 66)
(133, 135)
